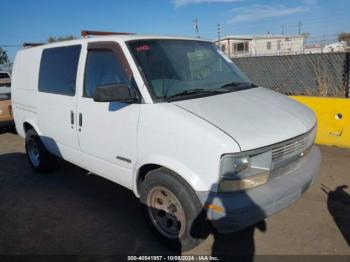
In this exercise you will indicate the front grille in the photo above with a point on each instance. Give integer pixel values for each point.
(289, 149)
(293, 149)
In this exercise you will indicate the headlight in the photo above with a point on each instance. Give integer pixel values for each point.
(231, 165)
(240, 164)
(244, 172)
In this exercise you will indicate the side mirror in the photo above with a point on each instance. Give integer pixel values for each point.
(115, 92)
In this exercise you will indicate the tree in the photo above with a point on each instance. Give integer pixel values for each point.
(306, 35)
(344, 36)
(53, 39)
(3, 57)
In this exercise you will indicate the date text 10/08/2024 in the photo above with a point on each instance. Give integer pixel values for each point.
(173, 258)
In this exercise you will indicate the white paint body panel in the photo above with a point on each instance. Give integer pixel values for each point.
(174, 138)
(187, 137)
(255, 117)
(109, 131)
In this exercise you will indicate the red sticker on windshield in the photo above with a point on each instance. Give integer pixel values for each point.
(143, 48)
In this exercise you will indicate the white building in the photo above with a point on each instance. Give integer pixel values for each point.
(261, 45)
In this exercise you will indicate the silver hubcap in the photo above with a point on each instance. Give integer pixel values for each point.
(166, 212)
(33, 153)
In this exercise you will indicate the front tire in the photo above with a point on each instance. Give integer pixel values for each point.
(172, 209)
(39, 158)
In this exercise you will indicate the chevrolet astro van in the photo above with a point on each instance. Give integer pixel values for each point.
(170, 118)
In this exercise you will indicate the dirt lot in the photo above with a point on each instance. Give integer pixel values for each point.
(69, 212)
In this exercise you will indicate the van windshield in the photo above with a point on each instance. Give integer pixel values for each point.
(185, 69)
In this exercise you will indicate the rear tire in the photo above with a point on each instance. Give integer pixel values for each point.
(172, 209)
(39, 158)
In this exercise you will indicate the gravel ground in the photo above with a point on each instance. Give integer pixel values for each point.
(71, 213)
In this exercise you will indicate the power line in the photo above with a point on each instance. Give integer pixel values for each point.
(10, 45)
(308, 23)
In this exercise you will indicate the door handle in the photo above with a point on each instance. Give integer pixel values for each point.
(71, 117)
(80, 119)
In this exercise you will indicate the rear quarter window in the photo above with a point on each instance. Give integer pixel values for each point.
(58, 70)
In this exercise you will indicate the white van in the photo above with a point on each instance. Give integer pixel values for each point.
(172, 119)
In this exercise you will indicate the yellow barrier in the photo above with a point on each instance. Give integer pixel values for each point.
(333, 116)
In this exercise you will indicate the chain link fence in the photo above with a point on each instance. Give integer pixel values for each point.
(323, 74)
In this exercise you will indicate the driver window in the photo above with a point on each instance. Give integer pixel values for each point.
(102, 68)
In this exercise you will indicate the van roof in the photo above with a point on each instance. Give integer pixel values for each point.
(123, 38)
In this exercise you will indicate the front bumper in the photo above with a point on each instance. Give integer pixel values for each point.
(245, 208)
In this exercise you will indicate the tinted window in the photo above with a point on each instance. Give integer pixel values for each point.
(102, 68)
(58, 70)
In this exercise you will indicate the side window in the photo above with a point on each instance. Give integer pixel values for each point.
(58, 70)
(102, 68)
(268, 45)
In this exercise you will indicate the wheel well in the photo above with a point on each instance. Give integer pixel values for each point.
(143, 171)
(27, 126)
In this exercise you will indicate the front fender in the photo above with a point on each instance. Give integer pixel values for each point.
(176, 166)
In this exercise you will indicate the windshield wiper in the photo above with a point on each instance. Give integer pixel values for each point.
(238, 84)
(192, 92)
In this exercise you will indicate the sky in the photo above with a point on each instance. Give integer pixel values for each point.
(34, 21)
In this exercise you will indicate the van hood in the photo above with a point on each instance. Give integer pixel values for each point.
(255, 117)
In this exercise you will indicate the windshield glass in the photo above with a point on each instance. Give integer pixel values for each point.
(183, 68)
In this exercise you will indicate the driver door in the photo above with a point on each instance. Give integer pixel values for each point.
(107, 131)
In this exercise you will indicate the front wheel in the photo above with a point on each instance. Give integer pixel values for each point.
(172, 209)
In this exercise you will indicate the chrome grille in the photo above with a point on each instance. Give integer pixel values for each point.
(292, 149)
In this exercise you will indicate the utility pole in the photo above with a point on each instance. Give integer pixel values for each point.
(219, 44)
(219, 36)
(282, 30)
(196, 26)
(300, 24)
